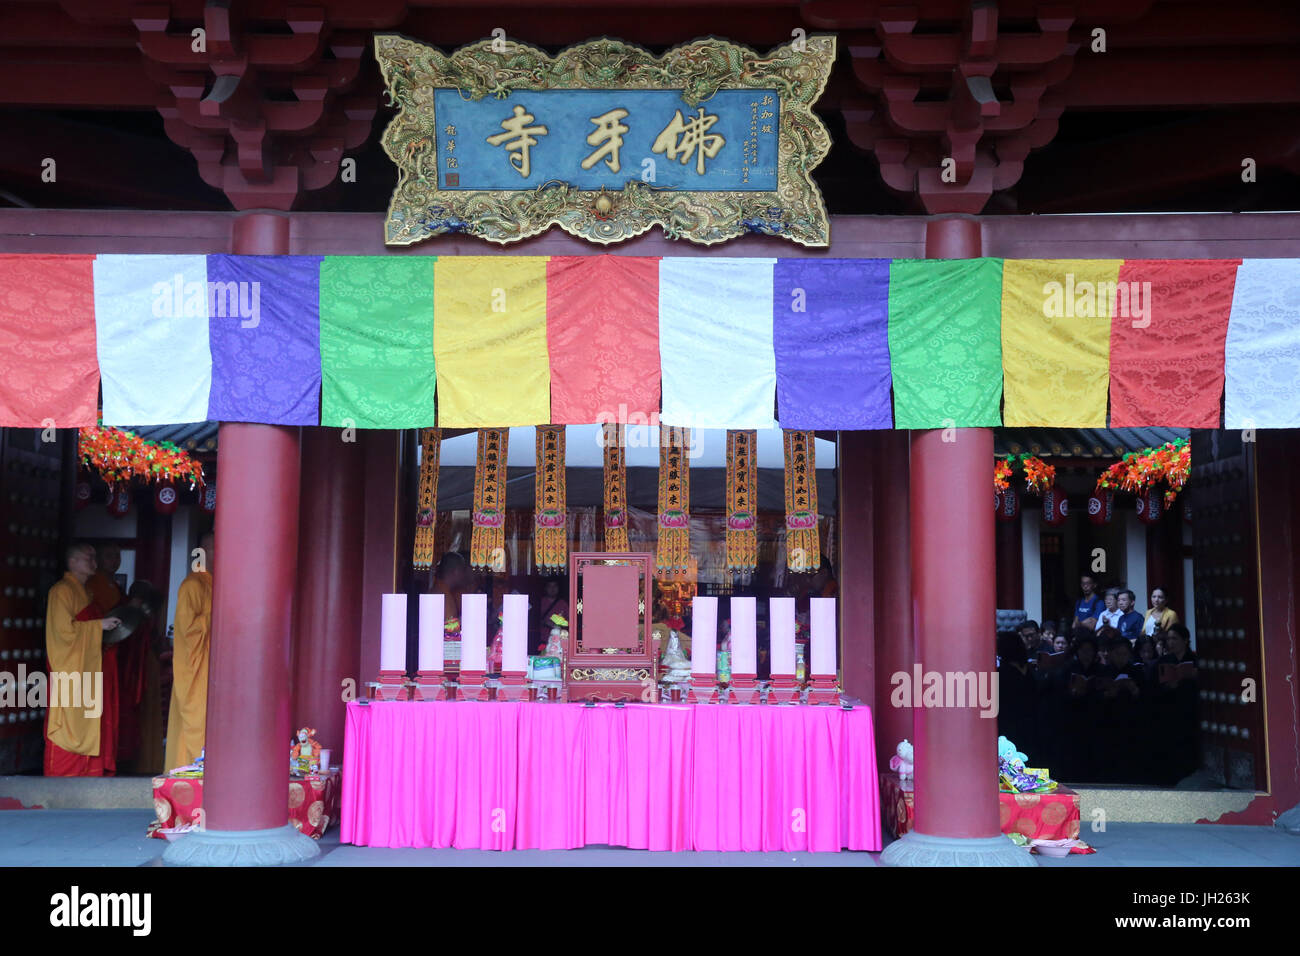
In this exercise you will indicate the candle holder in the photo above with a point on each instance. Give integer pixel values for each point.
(392, 686)
(823, 690)
(553, 694)
(743, 689)
(513, 684)
(472, 686)
(532, 695)
(429, 685)
(704, 690)
(784, 689)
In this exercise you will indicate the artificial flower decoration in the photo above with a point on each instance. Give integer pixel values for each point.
(1039, 476)
(120, 456)
(1138, 470)
(1002, 474)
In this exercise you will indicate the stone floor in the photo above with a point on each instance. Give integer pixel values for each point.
(92, 838)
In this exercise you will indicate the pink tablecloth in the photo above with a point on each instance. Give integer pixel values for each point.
(657, 777)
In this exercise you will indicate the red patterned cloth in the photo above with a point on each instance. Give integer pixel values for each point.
(49, 368)
(1038, 816)
(313, 802)
(602, 334)
(1170, 372)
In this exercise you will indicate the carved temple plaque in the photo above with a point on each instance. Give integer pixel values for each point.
(611, 655)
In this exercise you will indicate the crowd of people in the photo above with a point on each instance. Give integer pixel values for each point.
(1109, 699)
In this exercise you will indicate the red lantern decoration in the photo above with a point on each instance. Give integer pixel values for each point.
(1101, 507)
(1150, 505)
(165, 498)
(208, 502)
(1007, 503)
(1056, 507)
(119, 501)
(81, 493)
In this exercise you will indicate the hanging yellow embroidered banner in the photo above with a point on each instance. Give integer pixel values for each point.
(615, 484)
(550, 507)
(710, 141)
(673, 552)
(430, 451)
(742, 489)
(487, 545)
(802, 546)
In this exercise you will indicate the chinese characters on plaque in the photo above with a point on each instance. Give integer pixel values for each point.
(709, 141)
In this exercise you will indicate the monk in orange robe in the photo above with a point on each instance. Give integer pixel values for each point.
(80, 722)
(191, 650)
(102, 586)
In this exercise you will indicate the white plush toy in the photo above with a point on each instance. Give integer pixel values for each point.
(902, 761)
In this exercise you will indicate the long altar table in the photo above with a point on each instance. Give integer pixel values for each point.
(500, 775)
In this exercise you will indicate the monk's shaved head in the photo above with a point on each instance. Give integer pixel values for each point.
(75, 550)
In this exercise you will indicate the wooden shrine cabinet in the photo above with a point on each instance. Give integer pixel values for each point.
(611, 654)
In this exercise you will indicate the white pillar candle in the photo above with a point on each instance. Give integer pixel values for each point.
(704, 635)
(782, 635)
(431, 632)
(473, 632)
(821, 626)
(744, 656)
(514, 633)
(392, 633)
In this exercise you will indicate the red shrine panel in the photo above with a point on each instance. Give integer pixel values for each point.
(611, 655)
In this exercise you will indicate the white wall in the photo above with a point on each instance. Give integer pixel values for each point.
(1032, 559)
(184, 537)
(1135, 557)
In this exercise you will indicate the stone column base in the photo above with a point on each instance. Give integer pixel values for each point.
(275, 847)
(919, 849)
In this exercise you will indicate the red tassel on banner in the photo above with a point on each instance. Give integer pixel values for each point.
(81, 494)
(119, 502)
(1056, 507)
(1150, 505)
(165, 498)
(1101, 507)
(1007, 503)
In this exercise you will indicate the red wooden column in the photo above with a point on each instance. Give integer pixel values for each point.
(893, 597)
(246, 779)
(327, 621)
(854, 502)
(953, 591)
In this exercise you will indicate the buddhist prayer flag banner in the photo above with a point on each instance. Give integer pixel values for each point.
(151, 318)
(490, 340)
(602, 337)
(264, 334)
(48, 367)
(715, 343)
(376, 342)
(830, 321)
(945, 342)
(1056, 340)
(1167, 342)
(1262, 361)
(502, 341)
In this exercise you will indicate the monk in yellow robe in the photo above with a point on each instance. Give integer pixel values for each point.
(191, 650)
(74, 635)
